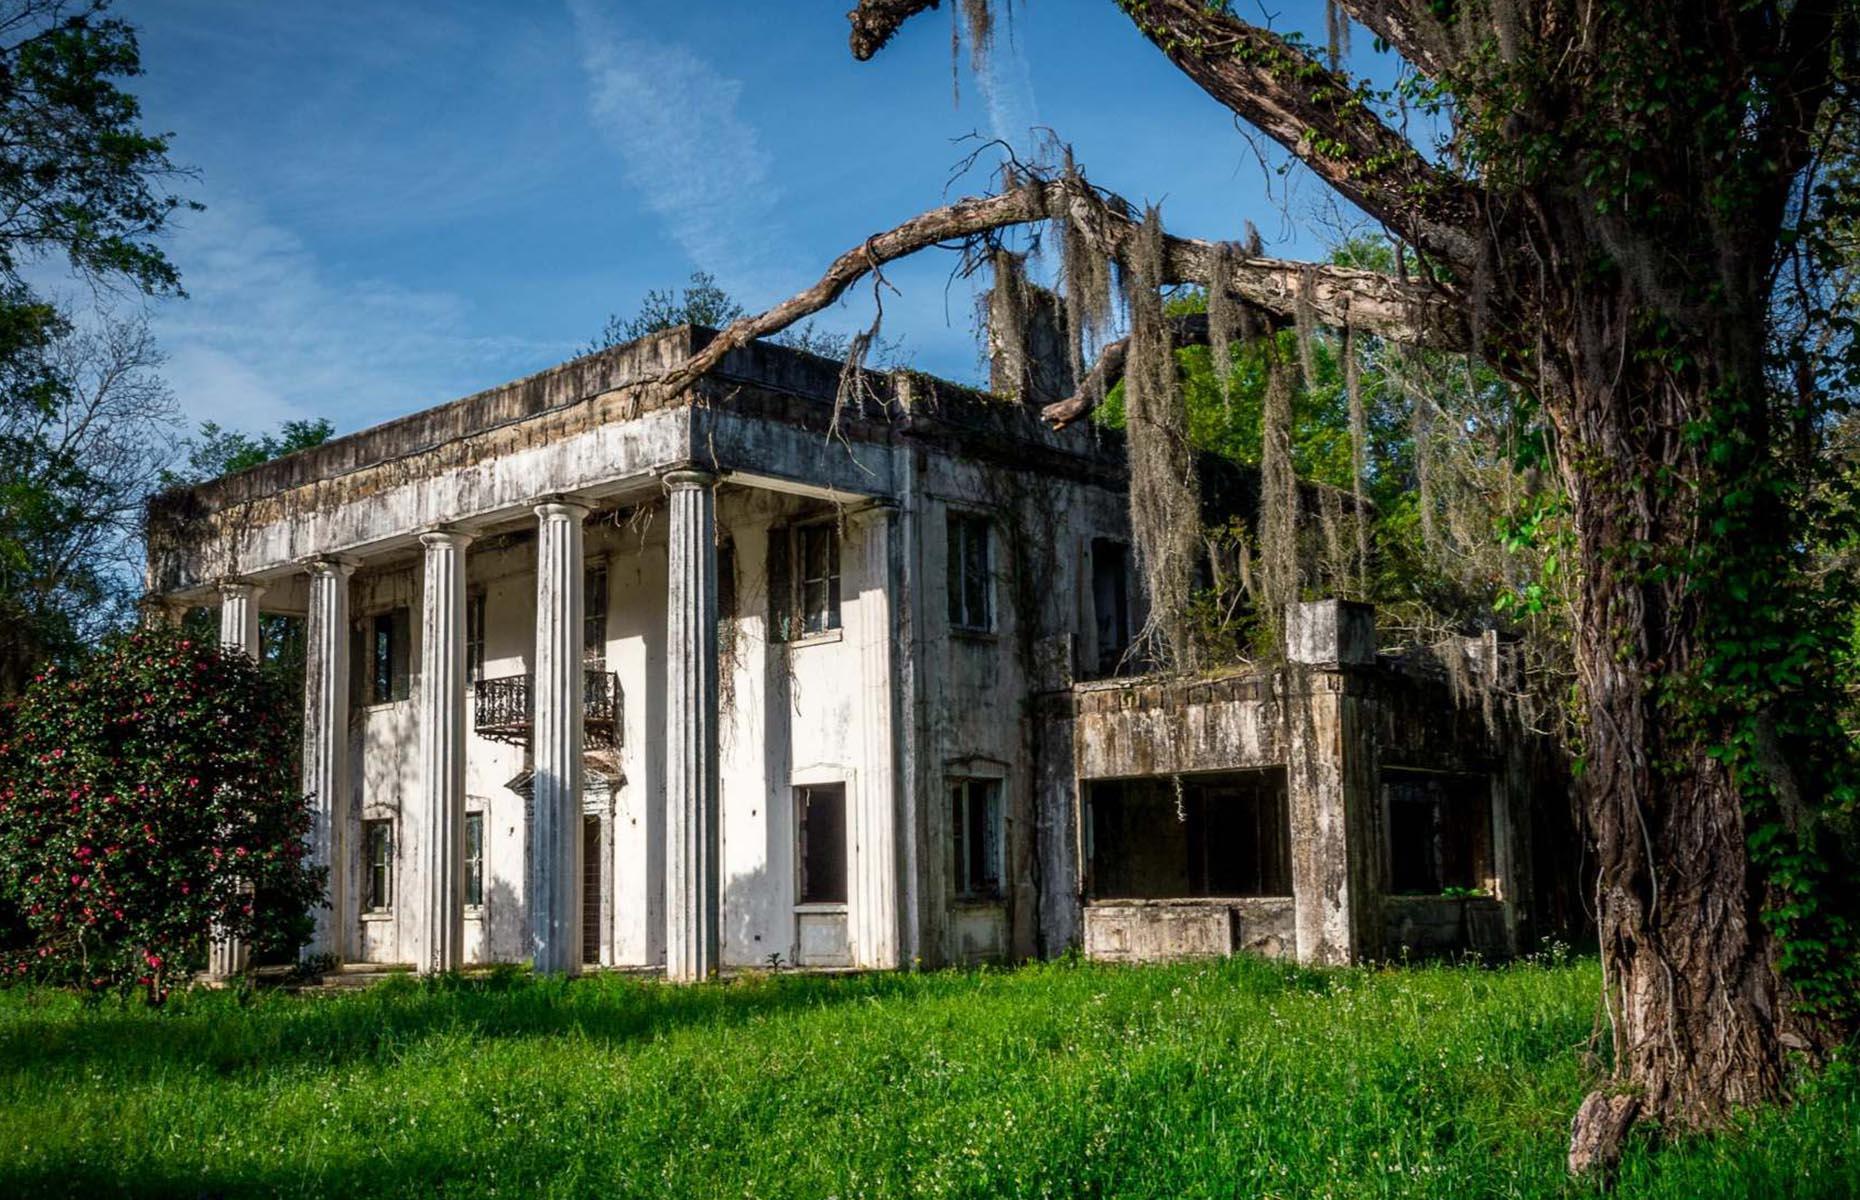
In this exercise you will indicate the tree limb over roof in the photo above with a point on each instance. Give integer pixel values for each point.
(1410, 311)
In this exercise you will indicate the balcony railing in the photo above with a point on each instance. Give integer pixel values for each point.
(505, 709)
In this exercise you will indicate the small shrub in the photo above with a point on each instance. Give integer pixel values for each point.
(147, 794)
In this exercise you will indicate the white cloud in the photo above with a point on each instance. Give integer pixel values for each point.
(677, 126)
(267, 333)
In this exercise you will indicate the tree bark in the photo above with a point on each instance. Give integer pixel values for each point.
(1699, 1015)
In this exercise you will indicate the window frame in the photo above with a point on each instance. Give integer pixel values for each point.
(474, 636)
(962, 793)
(594, 597)
(962, 529)
(789, 618)
(390, 676)
(377, 900)
(474, 861)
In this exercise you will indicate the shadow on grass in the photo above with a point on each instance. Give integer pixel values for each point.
(229, 1033)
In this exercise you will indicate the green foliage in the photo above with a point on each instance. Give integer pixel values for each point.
(145, 794)
(77, 173)
(705, 303)
(78, 178)
(1231, 1078)
(217, 451)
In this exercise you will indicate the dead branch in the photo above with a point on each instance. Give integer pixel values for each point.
(1190, 329)
(1408, 311)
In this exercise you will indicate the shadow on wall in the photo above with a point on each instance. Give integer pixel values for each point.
(506, 923)
(754, 923)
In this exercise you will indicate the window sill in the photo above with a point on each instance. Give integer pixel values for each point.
(976, 902)
(818, 639)
(827, 907)
(966, 634)
(379, 915)
(474, 912)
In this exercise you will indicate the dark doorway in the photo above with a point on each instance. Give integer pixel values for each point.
(591, 891)
(821, 849)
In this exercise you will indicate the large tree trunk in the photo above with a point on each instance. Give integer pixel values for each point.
(1696, 1007)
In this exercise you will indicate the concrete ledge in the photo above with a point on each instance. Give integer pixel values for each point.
(1164, 930)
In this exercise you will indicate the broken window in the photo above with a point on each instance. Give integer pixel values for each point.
(594, 614)
(804, 580)
(474, 860)
(1439, 831)
(975, 837)
(820, 825)
(1199, 836)
(971, 589)
(377, 866)
(1110, 594)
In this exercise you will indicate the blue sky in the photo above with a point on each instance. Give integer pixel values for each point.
(408, 202)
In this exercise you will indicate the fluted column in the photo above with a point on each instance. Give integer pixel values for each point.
(326, 745)
(239, 617)
(557, 696)
(441, 843)
(693, 891)
(226, 956)
(874, 916)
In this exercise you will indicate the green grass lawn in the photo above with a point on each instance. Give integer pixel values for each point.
(1237, 1078)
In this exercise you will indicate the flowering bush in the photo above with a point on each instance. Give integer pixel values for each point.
(146, 794)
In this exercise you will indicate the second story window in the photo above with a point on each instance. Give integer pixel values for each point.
(474, 636)
(388, 636)
(804, 580)
(971, 585)
(1110, 596)
(594, 615)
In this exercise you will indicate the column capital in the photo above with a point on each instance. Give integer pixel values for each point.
(329, 564)
(564, 507)
(232, 586)
(445, 535)
(688, 477)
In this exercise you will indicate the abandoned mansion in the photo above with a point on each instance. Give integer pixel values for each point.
(600, 676)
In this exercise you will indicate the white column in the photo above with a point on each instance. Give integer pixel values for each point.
(226, 957)
(326, 745)
(441, 841)
(874, 916)
(693, 892)
(556, 692)
(239, 617)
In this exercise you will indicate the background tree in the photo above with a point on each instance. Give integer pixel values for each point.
(81, 179)
(142, 801)
(705, 303)
(1616, 193)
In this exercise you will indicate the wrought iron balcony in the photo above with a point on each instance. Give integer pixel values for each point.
(505, 708)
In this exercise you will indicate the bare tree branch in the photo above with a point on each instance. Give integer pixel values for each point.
(1408, 311)
(1190, 329)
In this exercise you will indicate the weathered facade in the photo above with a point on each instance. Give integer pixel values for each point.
(597, 677)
